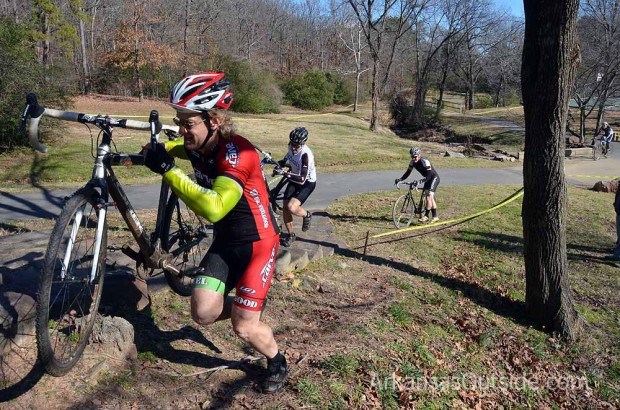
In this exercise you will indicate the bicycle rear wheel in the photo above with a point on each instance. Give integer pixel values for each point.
(402, 212)
(187, 237)
(71, 282)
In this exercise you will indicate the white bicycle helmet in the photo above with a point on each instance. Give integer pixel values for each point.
(200, 92)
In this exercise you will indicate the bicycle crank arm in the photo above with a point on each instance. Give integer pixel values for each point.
(192, 272)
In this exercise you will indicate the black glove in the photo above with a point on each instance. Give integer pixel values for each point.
(278, 171)
(396, 181)
(158, 160)
(421, 182)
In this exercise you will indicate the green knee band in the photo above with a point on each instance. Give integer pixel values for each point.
(207, 282)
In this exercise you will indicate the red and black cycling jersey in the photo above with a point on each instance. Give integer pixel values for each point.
(236, 158)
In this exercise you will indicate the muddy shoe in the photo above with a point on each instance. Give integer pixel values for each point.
(423, 219)
(288, 240)
(277, 372)
(306, 223)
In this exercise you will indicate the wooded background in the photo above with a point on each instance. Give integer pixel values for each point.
(306, 53)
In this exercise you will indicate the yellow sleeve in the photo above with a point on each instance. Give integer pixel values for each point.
(213, 204)
(175, 148)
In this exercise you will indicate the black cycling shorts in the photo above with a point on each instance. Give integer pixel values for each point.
(301, 192)
(430, 185)
(248, 268)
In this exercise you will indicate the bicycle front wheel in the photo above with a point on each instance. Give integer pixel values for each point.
(402, 212)
(597, 151)
(187, 237)
(71, 282)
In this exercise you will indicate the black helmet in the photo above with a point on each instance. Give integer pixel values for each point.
(415, 151)
(298, 136)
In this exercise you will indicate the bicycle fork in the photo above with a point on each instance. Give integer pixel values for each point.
(101, 215)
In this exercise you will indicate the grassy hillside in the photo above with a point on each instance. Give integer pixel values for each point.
(340, 139)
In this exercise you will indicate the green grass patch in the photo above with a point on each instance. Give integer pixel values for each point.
(309, 392)
(458, 295)
(340, 139)
(343, 365)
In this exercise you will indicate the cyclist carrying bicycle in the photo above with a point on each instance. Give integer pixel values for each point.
(302, 181)
(430, 180)
(230, 192)
(607, 136)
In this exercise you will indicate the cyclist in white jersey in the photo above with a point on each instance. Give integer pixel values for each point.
(302, 181)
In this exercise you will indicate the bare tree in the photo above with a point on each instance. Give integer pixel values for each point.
(501, 64)
(479, 20)
(378, 19)
(547, 76)
(355, 45)
(435, 26)
(597, 81)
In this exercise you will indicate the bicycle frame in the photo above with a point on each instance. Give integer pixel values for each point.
(104, 179)
(418, 205)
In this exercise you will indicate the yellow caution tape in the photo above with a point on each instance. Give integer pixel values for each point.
(594, 176)
(508, 200)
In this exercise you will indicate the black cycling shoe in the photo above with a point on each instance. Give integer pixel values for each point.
(306, 223)
(277, 372)
(288, 240)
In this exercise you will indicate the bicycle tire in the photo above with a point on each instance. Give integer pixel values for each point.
(67, 306)
(276, 196)
(597, 151)
(402, 211)
(187, 234)
(419, 210)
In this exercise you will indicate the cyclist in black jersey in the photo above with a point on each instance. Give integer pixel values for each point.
(430, 180)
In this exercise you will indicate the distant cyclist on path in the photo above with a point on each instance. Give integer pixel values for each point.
(607, 136)
(229, 191)
(430, 180)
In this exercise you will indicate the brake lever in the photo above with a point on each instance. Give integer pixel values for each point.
(155, 127)
(33, 109)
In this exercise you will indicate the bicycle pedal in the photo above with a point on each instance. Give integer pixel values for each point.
(131, 253)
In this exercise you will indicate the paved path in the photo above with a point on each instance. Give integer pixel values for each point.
(47, 204)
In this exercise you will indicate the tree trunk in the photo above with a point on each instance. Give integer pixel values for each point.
(15, 12)
(582, 124)
(138, 78)
(86, 83)
(547, 75)
(185, 58)
(442, 84)
(418, 105)
(375, 95)
(498, 93)
(357, 90)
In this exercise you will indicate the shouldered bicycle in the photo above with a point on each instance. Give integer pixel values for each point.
(406, 209)
(73, 272)
(276, 196)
